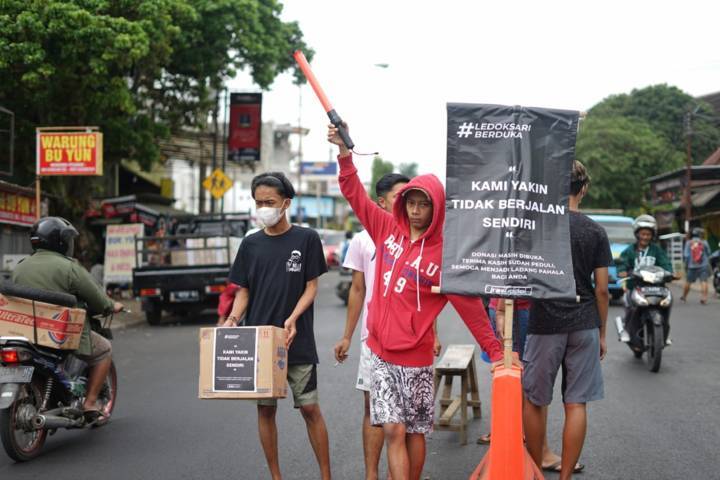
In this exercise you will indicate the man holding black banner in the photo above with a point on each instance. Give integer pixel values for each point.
(571, 335)
(403, 310)
(277, 270)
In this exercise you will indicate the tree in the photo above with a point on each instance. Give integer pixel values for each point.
(663, 108)
(379, 168)
(137, 69)
(409, 169)
(620, 153)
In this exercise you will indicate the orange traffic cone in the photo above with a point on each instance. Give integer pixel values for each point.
(507, 459)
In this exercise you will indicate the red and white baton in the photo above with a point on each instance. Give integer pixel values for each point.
(331, 113)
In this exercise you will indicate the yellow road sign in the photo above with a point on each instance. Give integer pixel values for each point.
(217, 183)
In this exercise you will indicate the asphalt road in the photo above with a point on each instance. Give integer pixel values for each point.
(650, 426)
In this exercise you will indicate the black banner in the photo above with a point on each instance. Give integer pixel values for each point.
(244, 127)
(506, 228)
(234, 360)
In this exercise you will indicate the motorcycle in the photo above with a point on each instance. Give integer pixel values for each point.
(342, 289)
(43, 389)
(715, 266)
(648, 325)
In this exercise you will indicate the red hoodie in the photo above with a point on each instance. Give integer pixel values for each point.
(401, 316)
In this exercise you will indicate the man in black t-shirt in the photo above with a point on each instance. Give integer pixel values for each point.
(277, 272)
(570, 335)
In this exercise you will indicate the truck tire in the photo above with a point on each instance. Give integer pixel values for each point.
(39, 295)
(153, 312)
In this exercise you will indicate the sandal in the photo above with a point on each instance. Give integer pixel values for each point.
(555, 467)
(483, 439)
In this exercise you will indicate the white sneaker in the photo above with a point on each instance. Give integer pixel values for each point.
(668, 342)
(624, 336)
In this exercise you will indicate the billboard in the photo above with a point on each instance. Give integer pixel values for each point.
(69, 153)
(319, 168)
(17, 208)
(244, 127)
(120, 252)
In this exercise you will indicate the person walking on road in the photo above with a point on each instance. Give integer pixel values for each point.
(571, 335)
(277, 270)
(403, 310)
(697, 262)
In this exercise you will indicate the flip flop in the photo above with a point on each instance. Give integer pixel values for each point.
(94, 415)
(483, 439)
(555, 467)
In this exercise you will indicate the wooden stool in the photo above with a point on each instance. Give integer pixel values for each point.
(458, 360)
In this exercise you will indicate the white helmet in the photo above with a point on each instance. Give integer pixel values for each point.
(645, 221)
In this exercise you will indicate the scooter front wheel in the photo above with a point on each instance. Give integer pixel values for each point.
(655, 343)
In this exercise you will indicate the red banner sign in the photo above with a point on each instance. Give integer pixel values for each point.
(17, 208)
(69, 153)
(244, 128)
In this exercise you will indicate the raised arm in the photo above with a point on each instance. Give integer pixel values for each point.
(375, 220)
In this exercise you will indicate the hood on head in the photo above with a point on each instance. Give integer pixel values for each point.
(431, 185)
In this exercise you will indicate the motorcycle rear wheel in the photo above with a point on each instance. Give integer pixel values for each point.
(20, 445)
(655, 344)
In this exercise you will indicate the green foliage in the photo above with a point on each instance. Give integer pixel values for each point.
(630, 137)
(663, 108)
(620, 153)
(379, 168)
(138, 69)
(409, 169)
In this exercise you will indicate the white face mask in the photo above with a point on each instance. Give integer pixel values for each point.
(269, 216)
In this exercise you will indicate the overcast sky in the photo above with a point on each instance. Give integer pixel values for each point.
(533, 53)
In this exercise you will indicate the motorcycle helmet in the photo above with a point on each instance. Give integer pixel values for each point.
(53, 233)
(697, 232)
(645, 221)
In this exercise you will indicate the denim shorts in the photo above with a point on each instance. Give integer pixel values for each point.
(695, 274)
(577, 353)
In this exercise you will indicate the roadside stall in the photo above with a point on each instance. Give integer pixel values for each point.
(17, 214)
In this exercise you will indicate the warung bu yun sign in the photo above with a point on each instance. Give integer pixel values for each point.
(506, 230)
(76, 151)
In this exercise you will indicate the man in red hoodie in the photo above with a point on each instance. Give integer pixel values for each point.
(403, 309)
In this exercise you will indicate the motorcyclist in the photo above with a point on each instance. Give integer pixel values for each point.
(642, 253)
(51, 267)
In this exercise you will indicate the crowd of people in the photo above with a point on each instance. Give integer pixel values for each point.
(395, 262)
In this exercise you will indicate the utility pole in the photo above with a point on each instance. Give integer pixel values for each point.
(688, 171)
(215, 140)
(224, 147)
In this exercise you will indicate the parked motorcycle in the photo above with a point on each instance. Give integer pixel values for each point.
(715, 265)
(649, 324)
(342, 289)
(43, 389)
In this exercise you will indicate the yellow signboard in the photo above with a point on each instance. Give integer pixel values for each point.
(217, 183)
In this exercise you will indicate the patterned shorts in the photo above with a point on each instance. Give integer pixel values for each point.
(402, 395)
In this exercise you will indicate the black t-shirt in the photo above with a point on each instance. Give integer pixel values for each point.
(590, 250)
(275, 270)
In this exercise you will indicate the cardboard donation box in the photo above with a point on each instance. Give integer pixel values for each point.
(243, 363)
(42, 323)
